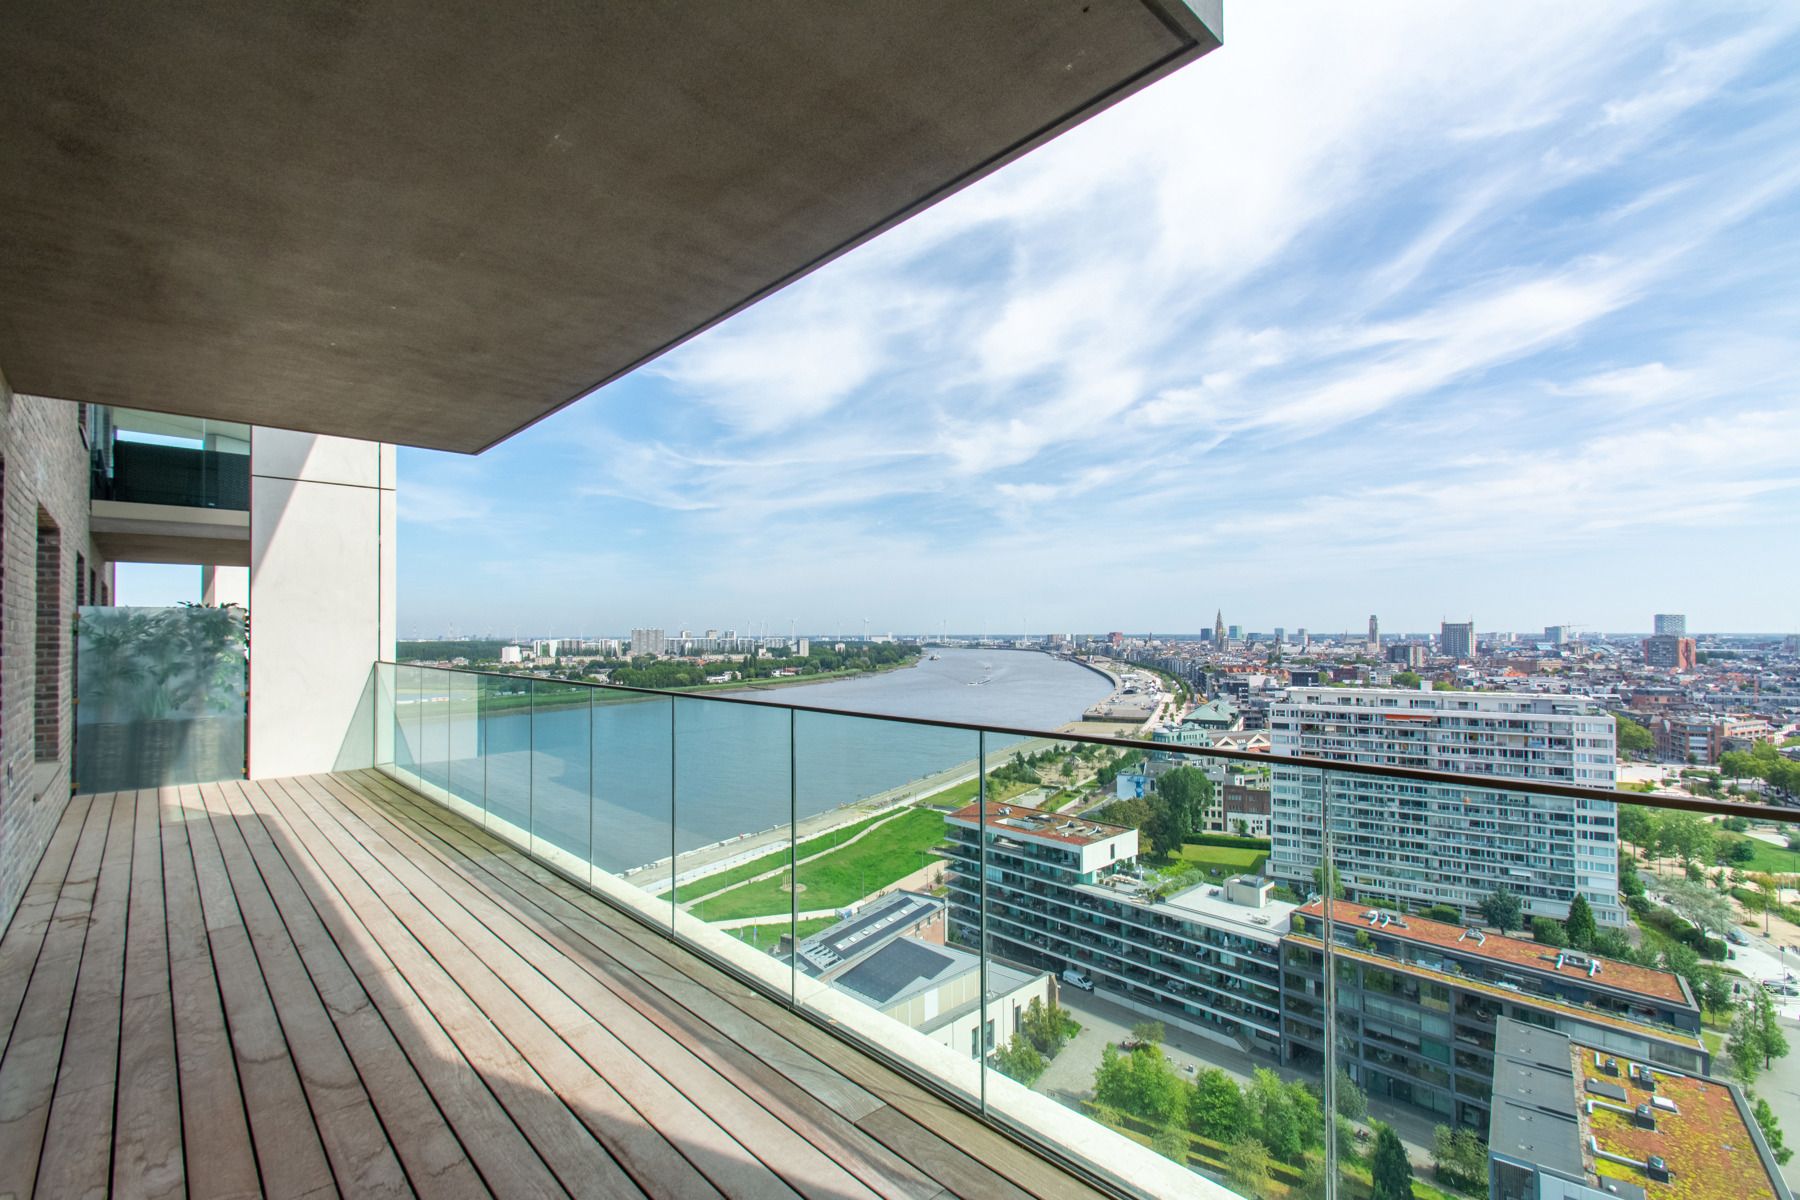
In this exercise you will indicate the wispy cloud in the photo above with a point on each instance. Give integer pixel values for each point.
(1361, 291)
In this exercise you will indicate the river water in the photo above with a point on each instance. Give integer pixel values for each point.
(598, 773)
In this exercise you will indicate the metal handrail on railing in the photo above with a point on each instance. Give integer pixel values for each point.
(1665, 800)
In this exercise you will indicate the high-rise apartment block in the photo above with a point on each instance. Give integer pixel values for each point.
(1374, 635)
(648, 641)
(1671, 625)
(1457, 640)
(1670, 652)
(1406, 842)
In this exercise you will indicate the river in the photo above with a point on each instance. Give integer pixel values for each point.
(594, 771)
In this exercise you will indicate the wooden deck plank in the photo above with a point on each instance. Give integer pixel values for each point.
(567, 1146)
(1025, 1171)
(77, 1157)
(34, 1052)
(507, 1160)
(362, 1160)
(218, 1154)
(732, 1044)
(289, 1148)
(147, 1162)
(655, 1073)
(434, 1159)
(31, 920)
(551, 1035)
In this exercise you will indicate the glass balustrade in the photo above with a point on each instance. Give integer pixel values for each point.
(1168, 999)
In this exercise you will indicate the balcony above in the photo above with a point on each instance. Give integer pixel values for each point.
(434, 224)
(321, 985)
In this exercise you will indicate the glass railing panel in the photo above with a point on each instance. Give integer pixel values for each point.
(384, 716)
(160, 696)
(504, 707)
(156, 458)
(633, 800)
(881, 953)
(733, 807)
(467, 768)
(434, 729)
(408, 742)
(562, 771)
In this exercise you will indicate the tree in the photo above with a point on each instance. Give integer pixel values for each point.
(1406, 679)
(1141, 1083)
(1771, 1131)
(1580, 925)
(1633, 737)
(1019, 1060)
(1247, 1166)
(1713, 990)
(1708, 910)
(1046, 1027)
(1502, 909)
(1326, 881)
(1548, 932)
(1216, 1107)
(1286, 1116)
(1447, 913)
(1635, 826)
(1150, 1033)
(1771, 894)
(1391, 1172)
(1757, 1039)
(1459, 1157)
(1352, 1101)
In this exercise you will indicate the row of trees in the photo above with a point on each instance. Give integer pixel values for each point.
(1043, 1030)
(1763, 762)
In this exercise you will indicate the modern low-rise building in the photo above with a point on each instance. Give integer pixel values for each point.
(1066, 892)
(1417, 1003)
(1417, 843)
(1575, 1120)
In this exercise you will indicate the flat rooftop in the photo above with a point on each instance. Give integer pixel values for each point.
(866, 930)
(1702, 1132)
(1208, 903)
(1517, 952)
(1020, 821)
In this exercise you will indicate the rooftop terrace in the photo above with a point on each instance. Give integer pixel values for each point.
(1038, 823)
(1608, 973)
(328, 985)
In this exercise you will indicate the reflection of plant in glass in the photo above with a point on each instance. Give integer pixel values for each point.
(151, 664)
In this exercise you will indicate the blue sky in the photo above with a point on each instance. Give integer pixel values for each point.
(1430, 310)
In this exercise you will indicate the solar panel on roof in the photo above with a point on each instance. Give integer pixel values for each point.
(894, 968)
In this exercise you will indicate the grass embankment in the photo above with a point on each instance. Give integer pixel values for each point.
(767, 937)
(706, 885)
(842, 877)
(958, 795)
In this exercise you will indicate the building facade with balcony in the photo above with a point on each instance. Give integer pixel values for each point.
(1419, 843)
(1417, 1001)
(1064, 892)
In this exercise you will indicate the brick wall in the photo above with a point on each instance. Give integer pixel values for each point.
(43, 478)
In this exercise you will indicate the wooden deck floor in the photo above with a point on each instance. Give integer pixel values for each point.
(328, 985)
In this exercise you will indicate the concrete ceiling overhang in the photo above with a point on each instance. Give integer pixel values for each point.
(434, 223)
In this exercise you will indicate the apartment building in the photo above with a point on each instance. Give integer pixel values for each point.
(1066, 892)
(1457, 640)
(1415, 844)
(1418, 1001)
(1670, 625)
(1670, 652)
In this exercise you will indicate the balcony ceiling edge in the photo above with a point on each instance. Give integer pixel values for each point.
(434, 225)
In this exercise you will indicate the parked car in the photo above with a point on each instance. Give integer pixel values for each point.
(1075, 978)
(1736, 937)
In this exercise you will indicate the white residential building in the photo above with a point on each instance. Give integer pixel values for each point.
(648, 641)
(1414, 843)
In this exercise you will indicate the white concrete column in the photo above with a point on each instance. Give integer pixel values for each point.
(225, 585)
(322, 574)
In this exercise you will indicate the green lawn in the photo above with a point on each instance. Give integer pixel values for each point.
(841, 877)
(767, 937)
(708, 884)
(1776, 860)
(1225, 860)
